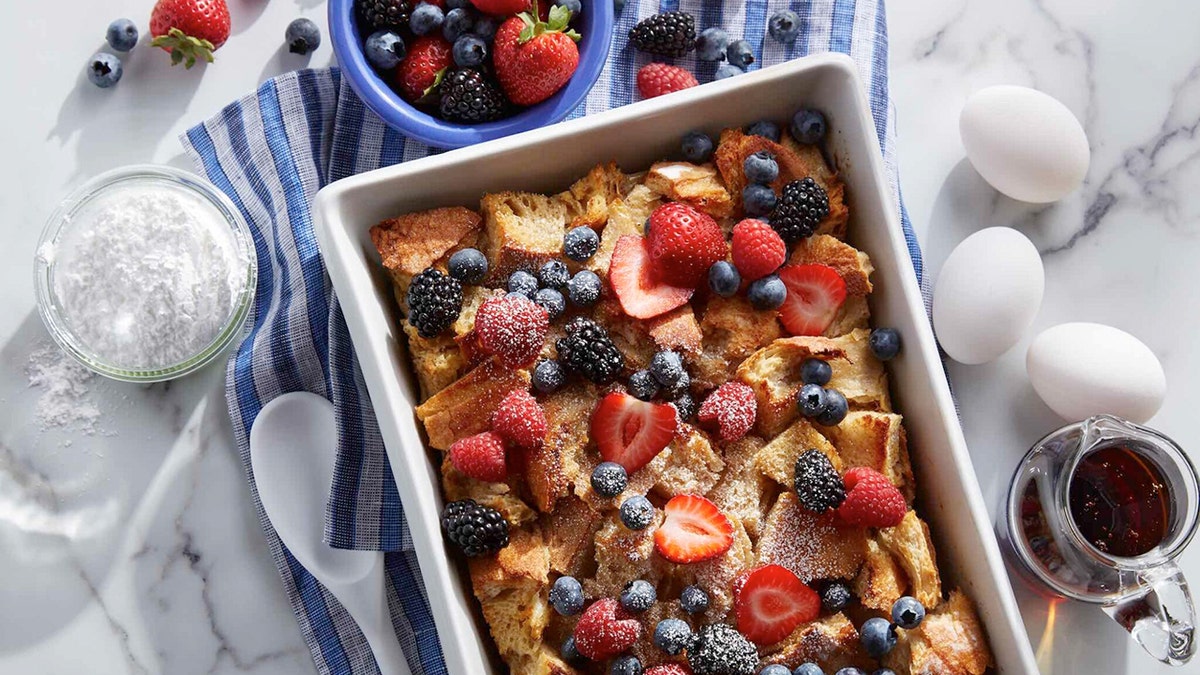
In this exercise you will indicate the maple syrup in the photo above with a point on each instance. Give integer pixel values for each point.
(1119, 501)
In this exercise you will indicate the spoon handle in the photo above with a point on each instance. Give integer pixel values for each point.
(366, 601)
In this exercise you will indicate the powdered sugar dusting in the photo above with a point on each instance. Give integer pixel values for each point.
(64, 399)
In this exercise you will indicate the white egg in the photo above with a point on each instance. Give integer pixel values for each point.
(1025, 143)
(987, 294)
(1085, 369)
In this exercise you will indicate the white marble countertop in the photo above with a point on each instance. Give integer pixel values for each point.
(134, 549)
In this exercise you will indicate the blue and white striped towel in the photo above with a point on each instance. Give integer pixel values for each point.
(272, 150)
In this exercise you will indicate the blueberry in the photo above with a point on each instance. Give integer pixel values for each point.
(667, 368)
(566, 596)
(723, 279)
(834, 410)
(878, 637)
(584, 288)
(784, 25)
(775, 669)
(524, 283)
(765, 128)
(835, 595)
(637, 512)
(727, 70)
(122, 35)
(682, 386)
(638, 596)
(850, 670)
(426, 18)
(458, 4)
(808, 669)
(554, 274)
(457, 22)
(552, 300)
(618, 6)
(884, 671)
(740, 54)
(574, 6)
(643, 385)
(815, 371)
(711, 44)
(693, 600)
(808, 126)
(626, 665)
(907, 612)
(672, 635)
(570, 652)
(885, 343)
(104, 70)
(685, 405)
(697, 147)
(581, 243)
(384, 49)
(548, 376)
(468, 265)
(302, 36)
(609, 479)
(811, 400)
(761, 167)
(470, 51)
(758, 200)
(767, 292)
(485, 27)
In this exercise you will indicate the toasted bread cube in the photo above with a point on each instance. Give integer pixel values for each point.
(522, 230)
(881, 581)
(697, 185)
(809, 545)
(465, 408)
(545, 661)
(625, 216)
(831, 641)
(587, 201)
(910, 544)
(570, 535)
(630, 336)
(457, 486)
(563, 460)
(415, 241)
(731, 331)
(949, 641)
(689, 464)
(777, 460)
(511, 587)
(876, 440)
(854, 314)
(438, 361)
(621, 555)
(851, 264)
(717, 576)
(743, 490)
(677, 330)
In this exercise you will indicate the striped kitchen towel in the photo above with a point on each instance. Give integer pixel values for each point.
(272, 150)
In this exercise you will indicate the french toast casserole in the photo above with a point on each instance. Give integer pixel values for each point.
(667, 440)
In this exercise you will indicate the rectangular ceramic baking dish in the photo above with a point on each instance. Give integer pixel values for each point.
(548, 160)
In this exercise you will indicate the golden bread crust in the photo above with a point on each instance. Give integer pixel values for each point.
(949, 641)
(809, 545)
(697, 185)
(910, 544)
(410, 243)
(465, 408)
(522, 230)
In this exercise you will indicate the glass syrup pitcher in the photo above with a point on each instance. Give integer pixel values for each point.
(1098, 511)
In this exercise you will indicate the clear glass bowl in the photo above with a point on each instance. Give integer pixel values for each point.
(59, 225)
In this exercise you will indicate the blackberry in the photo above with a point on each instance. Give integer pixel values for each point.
(668, 34)
(835, 595)
(718, 649)
(476, 529)
(588, 350)
(380, 14)
(800, 210)
(469, 97)
(434, 302)
(686, 405)
(818, 484)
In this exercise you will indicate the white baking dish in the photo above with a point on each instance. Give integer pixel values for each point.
(548, 160)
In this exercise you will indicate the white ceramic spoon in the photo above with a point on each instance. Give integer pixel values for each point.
(293, 445)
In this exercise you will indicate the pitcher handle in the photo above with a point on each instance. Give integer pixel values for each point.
(1160, 615)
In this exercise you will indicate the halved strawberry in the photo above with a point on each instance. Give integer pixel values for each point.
(814, 295)
(693, 530)
(641, 295)
(631, 432)
(771, 603)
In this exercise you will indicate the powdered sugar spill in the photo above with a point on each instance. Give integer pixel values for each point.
(64, 385)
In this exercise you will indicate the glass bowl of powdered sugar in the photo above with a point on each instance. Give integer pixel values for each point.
(145, 273)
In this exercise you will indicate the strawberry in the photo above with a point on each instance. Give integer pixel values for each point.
(480, 456)
(693, 530)
(683, 244)
(638, 290)
(758, 250)
(669, 669)
(814, 295)
(535, 58)
(605, 630)
(513, 328)
(656, 79)
(871, 500)
(502, 7)
(631, 432)
(190, 30)
(520, 420)
(771, 603)
(732, 407)
(422, 68)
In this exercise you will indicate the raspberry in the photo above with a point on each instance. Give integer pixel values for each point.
(480, 457)
(758, 250)
(656, 79)
(513, 328)
(733, 407)
(606, 630)
(871, 500)
(683, 243)
(520, 420)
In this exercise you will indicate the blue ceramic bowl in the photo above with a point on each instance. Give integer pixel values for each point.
(595, 25)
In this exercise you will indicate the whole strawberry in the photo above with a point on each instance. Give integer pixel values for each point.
(427, 59)
(191, 30)
(683, 243)
(501, 7)
(535, 58)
